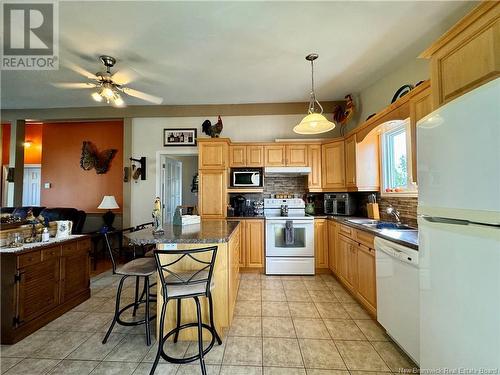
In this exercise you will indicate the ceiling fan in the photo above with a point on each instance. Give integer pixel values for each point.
(108, 86)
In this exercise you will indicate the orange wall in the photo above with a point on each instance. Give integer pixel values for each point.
(33, 154)
(71, 185)
(5, 143)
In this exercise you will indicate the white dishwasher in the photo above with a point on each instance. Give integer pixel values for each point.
(398, 294)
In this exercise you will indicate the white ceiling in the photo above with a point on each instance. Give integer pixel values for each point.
(233, 52)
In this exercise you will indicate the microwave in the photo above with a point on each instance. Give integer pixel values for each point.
(247, 177)
(339, 204)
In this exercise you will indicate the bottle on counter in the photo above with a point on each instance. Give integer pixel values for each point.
(45, 235)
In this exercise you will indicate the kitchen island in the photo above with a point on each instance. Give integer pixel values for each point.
(221, 233)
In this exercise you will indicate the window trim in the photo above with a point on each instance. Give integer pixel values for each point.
(394, 127)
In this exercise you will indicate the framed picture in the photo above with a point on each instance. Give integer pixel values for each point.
(179, 137)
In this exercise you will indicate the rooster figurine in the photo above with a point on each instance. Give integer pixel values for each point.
(342, 115)
(212, 130)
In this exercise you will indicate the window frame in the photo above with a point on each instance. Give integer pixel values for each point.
(393, 128)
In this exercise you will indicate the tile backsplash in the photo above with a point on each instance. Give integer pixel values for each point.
(406, 206)
(295, 185)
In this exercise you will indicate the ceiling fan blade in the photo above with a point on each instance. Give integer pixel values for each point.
(124, 76)
(142, 95)
(81, 71)
(73, 85)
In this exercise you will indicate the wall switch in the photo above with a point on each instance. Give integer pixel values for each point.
(47, 185)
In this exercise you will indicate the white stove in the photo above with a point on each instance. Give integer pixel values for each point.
(289, 239)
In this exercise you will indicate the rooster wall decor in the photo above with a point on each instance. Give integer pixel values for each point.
(91, 158)
(342, 114)
(212, 130)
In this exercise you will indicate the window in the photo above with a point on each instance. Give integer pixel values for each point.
(396, 159)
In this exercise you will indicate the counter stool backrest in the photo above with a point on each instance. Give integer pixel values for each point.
(110, 251)
(199, 272)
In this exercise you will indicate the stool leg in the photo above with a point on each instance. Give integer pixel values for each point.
(148, 328)
(136, 301)
(176, 336)
(160, 338)
(200, 336)
(117, 309)
(211, 305)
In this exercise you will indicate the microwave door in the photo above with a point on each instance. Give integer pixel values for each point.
(255, 179)
(243, 179)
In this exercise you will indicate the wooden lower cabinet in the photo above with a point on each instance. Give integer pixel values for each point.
(251, 251)
(321, 243)
(39, 285)
(234, 267)
(354, 264)
(332, 245)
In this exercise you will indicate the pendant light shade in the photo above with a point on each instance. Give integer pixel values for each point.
(314, 122)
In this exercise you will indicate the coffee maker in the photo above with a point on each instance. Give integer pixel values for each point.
(239, 203)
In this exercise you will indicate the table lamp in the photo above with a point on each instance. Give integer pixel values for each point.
(108, 203)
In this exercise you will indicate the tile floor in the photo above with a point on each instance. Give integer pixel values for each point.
(282, 326)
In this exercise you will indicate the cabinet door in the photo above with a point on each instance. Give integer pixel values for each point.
(274, 156)
(38, 289)
(255, 243)
(314, 157)
(233, 260)
(296, 155)
(237, 156)
(332, 244)
(74, 269)
(242, 260)
(343, 250)
(367, 283)
(212, 196)
(352, 266)
(350, 161)
(212, 155)
(420, 106)
(321, 243)
(333, 165)
(255, 156)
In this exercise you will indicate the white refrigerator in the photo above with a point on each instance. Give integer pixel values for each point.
(459, 233)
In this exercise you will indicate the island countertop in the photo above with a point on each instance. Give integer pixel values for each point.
(208, 231)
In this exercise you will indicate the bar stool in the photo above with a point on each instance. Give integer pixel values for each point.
(179, 285)
(138, 268)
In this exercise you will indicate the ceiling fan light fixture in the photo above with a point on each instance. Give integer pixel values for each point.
(118, 101)
(96, 96)
(107, 92)
(313, 122)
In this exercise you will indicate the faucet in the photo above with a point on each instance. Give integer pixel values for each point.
(394, 212)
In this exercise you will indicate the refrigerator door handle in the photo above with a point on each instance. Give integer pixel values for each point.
(444, 220)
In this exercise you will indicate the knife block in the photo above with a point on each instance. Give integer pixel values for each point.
(373, 212)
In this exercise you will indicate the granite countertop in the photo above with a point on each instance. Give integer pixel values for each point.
(208, 231)
(407, 238)
(35, 245)
(245, 217)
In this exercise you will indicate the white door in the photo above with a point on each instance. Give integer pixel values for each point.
(171, 187)
(31, 186)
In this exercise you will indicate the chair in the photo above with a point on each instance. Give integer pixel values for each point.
(138, 268)
(178, 285)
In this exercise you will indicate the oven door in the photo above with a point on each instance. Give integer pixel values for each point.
(303, 239)
(246, 179)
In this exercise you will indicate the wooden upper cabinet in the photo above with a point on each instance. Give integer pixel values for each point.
(237, 156)
(350, 161)
(314, 157)
(274, 156)
(362, 163)
(212, 196)
(420, 106)
(296, 155)
(321, 243)
(212, 153)
(254, 156)
(333, 166)
(466, 56)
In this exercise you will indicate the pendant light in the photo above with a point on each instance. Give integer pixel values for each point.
(314, 122)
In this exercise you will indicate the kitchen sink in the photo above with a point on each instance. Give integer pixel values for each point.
(363, 221)
(388, 225)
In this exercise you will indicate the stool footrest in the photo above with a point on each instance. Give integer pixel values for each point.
(136, 322)
(194, 357)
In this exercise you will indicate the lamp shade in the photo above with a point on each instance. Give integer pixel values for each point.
(108, 203)
(314, 123)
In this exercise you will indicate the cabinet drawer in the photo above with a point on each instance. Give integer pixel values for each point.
(69, 248)
(345, 230)
(367, 250)
(51, 252)
(28, 259)
(84, 244)
(364, 237)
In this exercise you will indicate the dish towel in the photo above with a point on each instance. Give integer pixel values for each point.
(289, 233)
